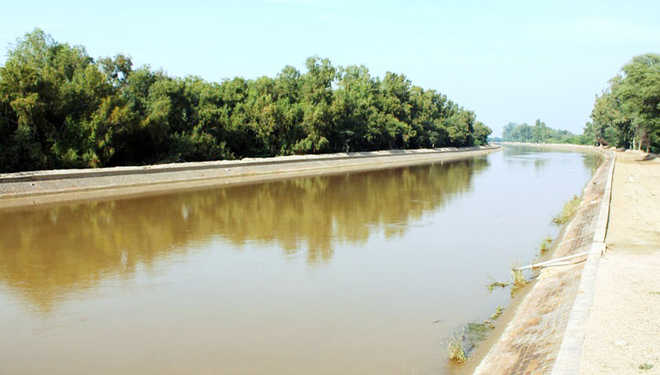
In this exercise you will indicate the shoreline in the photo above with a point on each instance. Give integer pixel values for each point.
(552, 309)
(559, 146)
(24, 189)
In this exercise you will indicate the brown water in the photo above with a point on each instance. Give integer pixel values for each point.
(364, 273)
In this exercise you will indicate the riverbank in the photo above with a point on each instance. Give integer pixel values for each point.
(623, 330)
(538, 331)
(44, 187)
(557, 146)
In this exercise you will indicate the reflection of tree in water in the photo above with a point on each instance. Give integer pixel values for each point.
(519, 150)
(47, 252)
(517, 155)
(520, 154)
(540, 163)
(592, 160)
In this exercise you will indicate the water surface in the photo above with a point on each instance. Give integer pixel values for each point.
(361, 273)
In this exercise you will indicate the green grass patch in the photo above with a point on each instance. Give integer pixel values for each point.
(498, 312)
(497, 284)
(456, 351)
(570, 208)
(460, 346)
(646, 366)
(546, 244)
(518, 282)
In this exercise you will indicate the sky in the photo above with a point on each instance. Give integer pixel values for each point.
(508, 61)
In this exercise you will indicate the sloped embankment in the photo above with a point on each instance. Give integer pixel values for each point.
(41, 187)
(534, 338)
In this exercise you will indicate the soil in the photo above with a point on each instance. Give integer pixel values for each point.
(623, 330)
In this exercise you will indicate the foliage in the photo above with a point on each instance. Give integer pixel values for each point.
(498, 312)
(545, 244)
(519, 280)
(60, 108)
(497, 284)
(455, 351)
(570, 208)
(627, 113)
(539, 133)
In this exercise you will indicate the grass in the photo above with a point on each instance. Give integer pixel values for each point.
(497, 284)
(460, 346)
(645, 366)
(489, 324)
(519, 280)
(475, 332)
(545, 244)
(498, 312)
(456, 352)
(568, 211)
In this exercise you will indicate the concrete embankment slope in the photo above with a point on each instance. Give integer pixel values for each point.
(558, 146)
(548, 324)
(41, 187)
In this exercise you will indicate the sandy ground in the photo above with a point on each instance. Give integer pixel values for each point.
(623, 330)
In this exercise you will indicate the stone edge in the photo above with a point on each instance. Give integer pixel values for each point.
(194, 166)
(570, 350)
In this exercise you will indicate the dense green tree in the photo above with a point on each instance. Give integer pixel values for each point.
(540, 133)
(481, 133)
(60, 108)
(627, 113)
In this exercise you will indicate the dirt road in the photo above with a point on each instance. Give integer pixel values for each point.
(623, 330)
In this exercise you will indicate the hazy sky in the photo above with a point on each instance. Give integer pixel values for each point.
(507, 61)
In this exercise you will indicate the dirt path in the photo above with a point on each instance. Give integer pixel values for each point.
(623, 329)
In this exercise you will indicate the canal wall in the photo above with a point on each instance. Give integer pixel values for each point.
(559, 146)
(546, 332)
(44, 187)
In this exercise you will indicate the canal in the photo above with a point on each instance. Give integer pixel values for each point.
(358, 273)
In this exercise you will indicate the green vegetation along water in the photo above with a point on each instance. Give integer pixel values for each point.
(626, 114)
(363, 273)
(60, 108)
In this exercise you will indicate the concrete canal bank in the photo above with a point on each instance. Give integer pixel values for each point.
(42, 187)
(547, 329)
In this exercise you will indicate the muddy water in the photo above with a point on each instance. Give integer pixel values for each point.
(364, 273)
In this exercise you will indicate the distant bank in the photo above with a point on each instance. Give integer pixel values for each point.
(557, 146)
(42, 187)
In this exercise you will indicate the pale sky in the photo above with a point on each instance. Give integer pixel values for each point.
(507, 61)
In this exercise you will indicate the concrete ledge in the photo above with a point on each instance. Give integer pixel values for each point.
(570, 351)
(41, 187)
(194, 166)
(560, 146)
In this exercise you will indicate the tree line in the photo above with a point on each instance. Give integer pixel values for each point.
(626, 114)
(60, 108)
(540, 133)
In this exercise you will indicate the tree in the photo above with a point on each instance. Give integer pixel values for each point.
(60, 108)
(627, 113)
